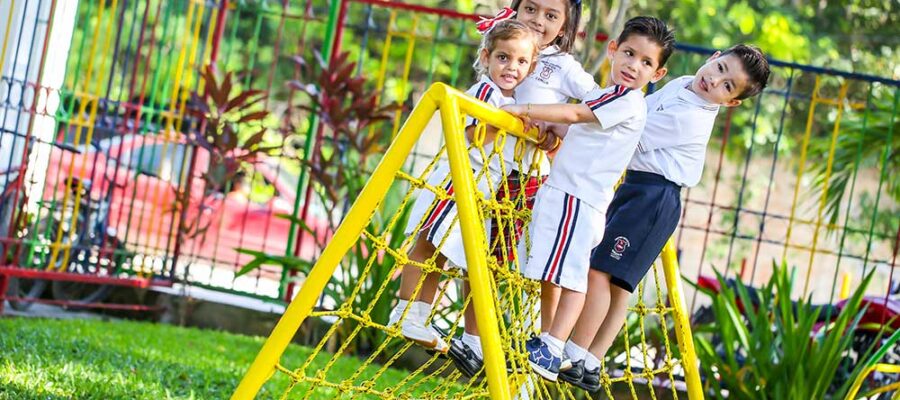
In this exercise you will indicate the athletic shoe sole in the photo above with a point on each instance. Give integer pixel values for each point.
(432, 345)
(579, 383)
(544, 373)
(462, 362)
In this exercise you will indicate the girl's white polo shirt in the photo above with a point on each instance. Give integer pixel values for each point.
(556, 79)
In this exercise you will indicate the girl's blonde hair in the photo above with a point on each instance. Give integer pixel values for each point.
(502, 31)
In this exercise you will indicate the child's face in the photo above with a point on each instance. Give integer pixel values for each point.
(720, 80)
(635, 62)
(546, 17)
(509, 63)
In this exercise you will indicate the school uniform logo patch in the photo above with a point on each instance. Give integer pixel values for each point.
(547, 69)
(619, 247)
(545, 73)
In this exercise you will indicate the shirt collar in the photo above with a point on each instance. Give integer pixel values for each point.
(486, 79)
(550, 50)
(691, 97)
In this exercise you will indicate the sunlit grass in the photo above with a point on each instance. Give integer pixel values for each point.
(88, 359)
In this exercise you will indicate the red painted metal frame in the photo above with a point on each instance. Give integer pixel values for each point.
(418, 8)
(7, 271)
(4, 286)
(70, 277)
(600, 37)
(104, 306)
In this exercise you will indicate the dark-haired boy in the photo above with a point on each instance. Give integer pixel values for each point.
(646, 207)
(569, 212)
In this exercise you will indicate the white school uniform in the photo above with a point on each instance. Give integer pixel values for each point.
(441, 224)
(569, 215)
(679, 124)
(556, 79)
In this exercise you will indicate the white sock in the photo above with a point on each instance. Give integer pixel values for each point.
(591, 362)
(474, 343)
(398, 311)
(555, 345)
(422, 310)
(575, 352)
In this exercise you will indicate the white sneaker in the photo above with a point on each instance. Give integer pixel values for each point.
(424, 336)
(397, 312)
(413, 328)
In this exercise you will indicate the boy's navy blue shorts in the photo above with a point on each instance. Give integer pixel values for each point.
(642, 216)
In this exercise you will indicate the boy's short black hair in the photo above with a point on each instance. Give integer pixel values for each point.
(755, 65)
(654, 29)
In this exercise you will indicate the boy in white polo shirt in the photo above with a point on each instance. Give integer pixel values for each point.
(645, 209)
(568, 216)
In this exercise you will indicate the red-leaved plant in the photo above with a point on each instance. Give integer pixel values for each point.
(232, 133)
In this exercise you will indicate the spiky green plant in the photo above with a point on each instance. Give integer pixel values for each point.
(774, 349)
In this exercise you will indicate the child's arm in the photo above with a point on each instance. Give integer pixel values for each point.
(559, 113)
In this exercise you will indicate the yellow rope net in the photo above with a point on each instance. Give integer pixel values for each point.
(360, 355)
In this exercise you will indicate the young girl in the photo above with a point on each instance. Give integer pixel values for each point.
(506, 57)
(557, 78)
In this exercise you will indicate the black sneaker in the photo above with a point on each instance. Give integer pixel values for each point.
(588, 380)
(464, 358)
(574, 373)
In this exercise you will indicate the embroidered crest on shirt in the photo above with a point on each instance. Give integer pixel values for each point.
(619, 247)
(547, 70)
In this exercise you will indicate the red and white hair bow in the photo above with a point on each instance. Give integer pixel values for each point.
(486, 24)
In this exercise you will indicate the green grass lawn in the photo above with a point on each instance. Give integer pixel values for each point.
(89, 359)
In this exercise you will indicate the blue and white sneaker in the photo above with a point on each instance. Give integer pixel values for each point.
(542, 359)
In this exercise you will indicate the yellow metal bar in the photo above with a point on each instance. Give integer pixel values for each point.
(843, 102)
(496, 118)
(91, 122)
(886, 368)
(347, 234)
(473, 236)
(451, 104)
(892, 387)
(404, 82)
(828, 167)
(845, 286)
(156, 219)
(210, 35)
(12, 7)
(682, 324)
(382, 71)
(802, 166)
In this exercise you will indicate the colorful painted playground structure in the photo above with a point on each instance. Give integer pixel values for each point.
(104, 183)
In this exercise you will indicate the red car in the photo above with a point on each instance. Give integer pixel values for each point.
(145, 172)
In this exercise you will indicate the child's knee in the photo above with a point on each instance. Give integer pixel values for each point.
(422, 249)
(599, 278)
(619, 292)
